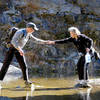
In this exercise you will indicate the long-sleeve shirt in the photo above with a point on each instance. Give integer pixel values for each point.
(81, 43)
(21, 37)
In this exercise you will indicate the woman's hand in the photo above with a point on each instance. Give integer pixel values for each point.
(87, 50)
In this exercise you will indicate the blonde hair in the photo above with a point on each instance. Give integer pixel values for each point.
(75, 30)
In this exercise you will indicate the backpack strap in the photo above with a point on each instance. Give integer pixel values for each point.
(24, 33)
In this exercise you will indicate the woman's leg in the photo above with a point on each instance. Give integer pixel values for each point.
(80, 67)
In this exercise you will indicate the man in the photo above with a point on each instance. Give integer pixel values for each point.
(18, 41)
(83, 45)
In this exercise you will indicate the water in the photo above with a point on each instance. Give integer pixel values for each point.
(49, 89)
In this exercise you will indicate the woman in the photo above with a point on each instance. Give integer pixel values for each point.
(83, 45)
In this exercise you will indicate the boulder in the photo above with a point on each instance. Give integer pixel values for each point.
(13, 73)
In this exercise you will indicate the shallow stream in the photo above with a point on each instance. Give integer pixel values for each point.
(49, 89)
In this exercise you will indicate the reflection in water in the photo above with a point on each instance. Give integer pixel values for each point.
(22, 98)
(85, 95)
(4, 98)
(30, 92)
(82, 95)
(28, 95)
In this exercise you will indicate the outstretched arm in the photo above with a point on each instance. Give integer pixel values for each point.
(60, 41)
(40, 41)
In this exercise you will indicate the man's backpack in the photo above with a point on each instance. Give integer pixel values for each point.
(10, 35)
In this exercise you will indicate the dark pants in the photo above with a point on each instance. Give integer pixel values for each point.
(8, 58)
(80, 67)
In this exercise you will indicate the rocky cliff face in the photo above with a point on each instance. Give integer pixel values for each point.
(53, 17)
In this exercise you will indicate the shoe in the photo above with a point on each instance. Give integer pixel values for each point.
(86, 85)
(28, 83)
(78, 85)
(83, 85)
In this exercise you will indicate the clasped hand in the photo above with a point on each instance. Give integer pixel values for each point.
(50, 42)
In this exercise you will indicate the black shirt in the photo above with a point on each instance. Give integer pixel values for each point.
(82, 42)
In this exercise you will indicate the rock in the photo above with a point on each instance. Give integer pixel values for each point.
(92, 5)
(97, 26)
(11, 16)
(13, 73)
(37, 20)
(70, 8)
(19, 3)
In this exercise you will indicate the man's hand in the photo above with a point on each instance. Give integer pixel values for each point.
(50, 42)
(21, 52)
